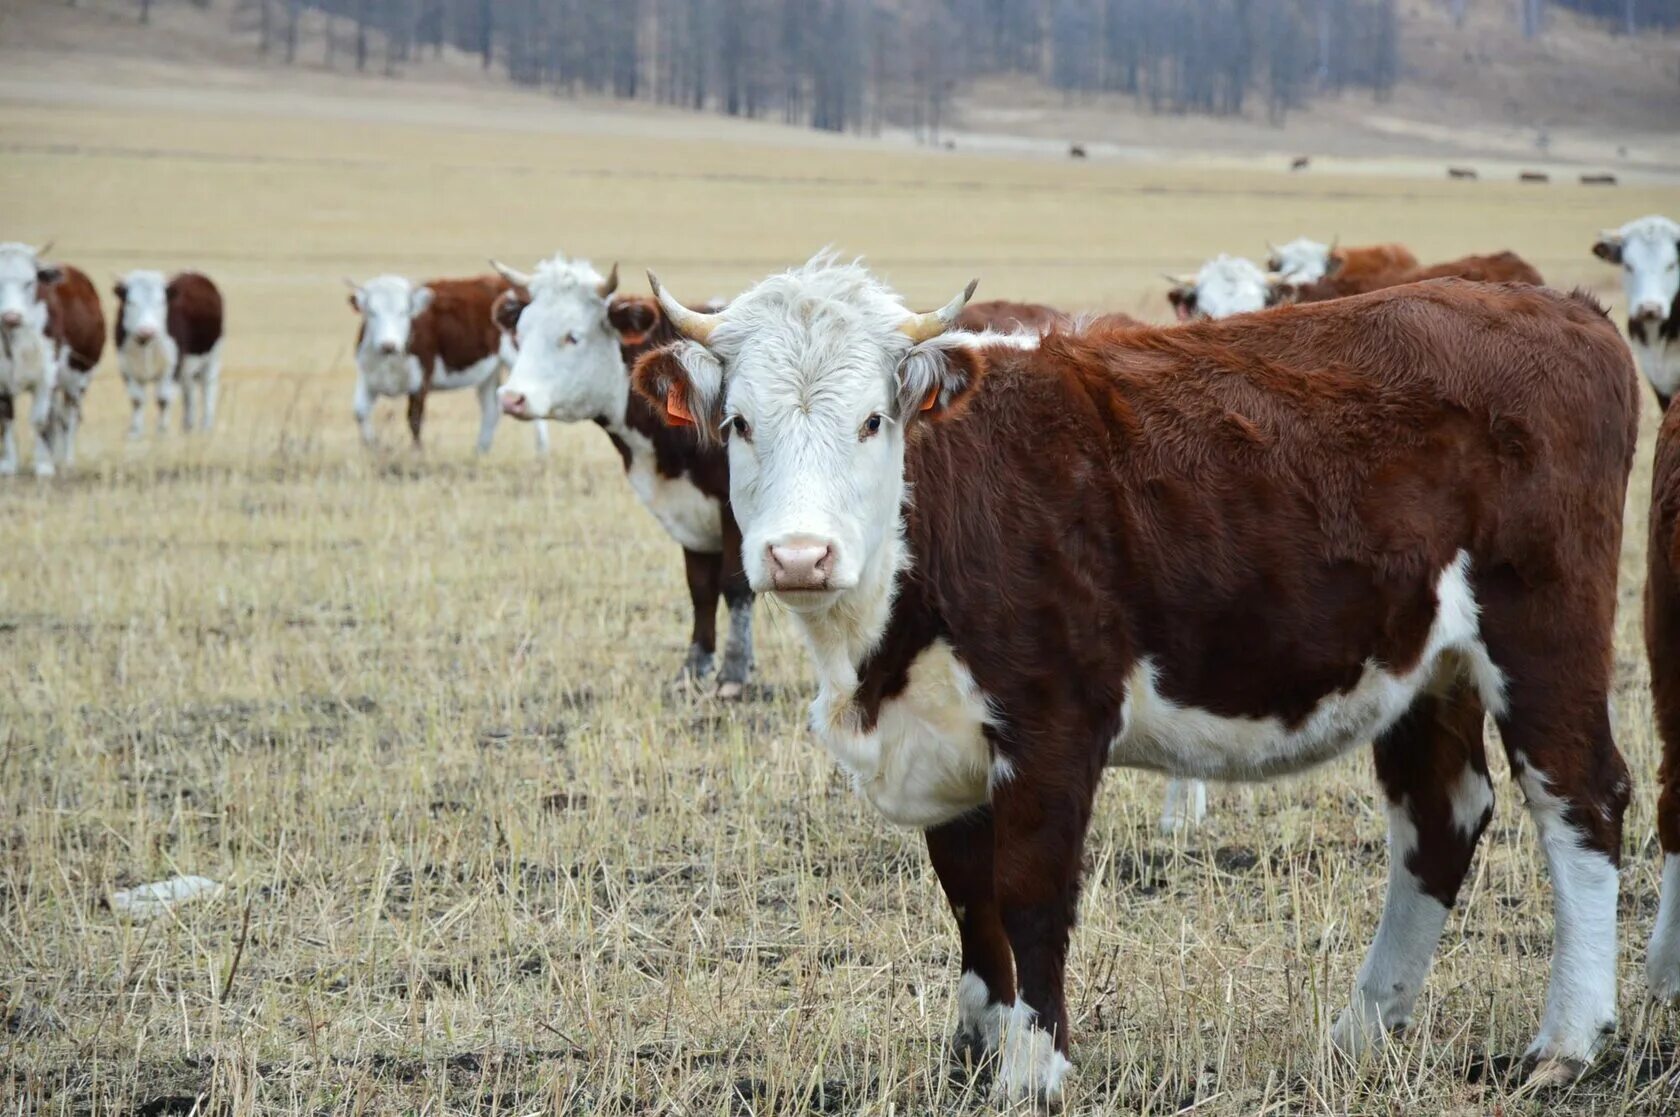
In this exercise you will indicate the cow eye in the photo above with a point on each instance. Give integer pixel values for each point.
(741, 427)
(569, 339)
(871, 428)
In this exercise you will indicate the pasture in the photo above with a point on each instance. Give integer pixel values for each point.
(479, 854)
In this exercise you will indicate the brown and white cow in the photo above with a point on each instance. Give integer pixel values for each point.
(1499, 267)
(436, 336)
(1304, 260)
(1228, 549)
(168, 334)
(1662, 648)
(573, 340)
(52, 333)
(1648, 251)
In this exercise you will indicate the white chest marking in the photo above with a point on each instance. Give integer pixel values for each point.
(1659, 360)
(147, 364)
(927, 760)
(688, 515)
(395, 375)
(449, 380)
(1158, 733)
(32, 364)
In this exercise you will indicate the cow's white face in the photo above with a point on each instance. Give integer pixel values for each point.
(1229, 285)
(145, 306)
(812, 379)
(1649, 252)
(389, 304)
(567, 364)
(21, 277)
(1301, 261)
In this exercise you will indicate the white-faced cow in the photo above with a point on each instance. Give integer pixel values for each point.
(436, 336)
(1224, 286)
(1649, 252)
(1227, 549)
(168, 335)
(52, 333)
(1304, 260)
(574, 340)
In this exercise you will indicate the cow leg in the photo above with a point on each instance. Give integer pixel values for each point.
(1433, 771)
(167, 390)
(1184, 806)
(416, 415)
(137, 406)
(8, 438)
(539, 428)
(703, 571)
(189, 397)
(209, 384)
(1041, 813)
(1556, 655)
(41, 418)
(1662, 959)
(489, 410)
(738, 596)
(69, 425)
(361, 405)
(961, 852)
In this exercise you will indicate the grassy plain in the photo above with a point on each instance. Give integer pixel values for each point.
(415, 713)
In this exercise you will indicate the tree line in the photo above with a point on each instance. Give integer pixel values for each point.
(855, 65)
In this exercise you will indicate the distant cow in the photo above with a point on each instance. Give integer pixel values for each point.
(1300, 163)
(168, 335)
(1648, 251)
(436, 336)
(1228, 549)
(1500, 267)
(1466, 173)
(1534, 176)
(1076, 151)
(573, 341)
(1304, 260)
(52, 333)
(1224, 286)
(1598, 180)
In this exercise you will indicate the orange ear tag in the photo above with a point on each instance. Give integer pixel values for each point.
(676, 408)
(932, 398)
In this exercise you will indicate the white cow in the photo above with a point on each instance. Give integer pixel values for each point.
(52, 333)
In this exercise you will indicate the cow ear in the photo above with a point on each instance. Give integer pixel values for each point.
(356, 301)
(1608, 248)
(935, 377)
(1183, 300)
(633, 319)
(684, 383)
(48, 274)
(1332, 264)
(120, 290)
(418, 300)
(508, 308)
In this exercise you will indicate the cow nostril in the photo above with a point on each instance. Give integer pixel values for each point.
(801, 563)
(387, 347)
(513, 403)
(11, 318)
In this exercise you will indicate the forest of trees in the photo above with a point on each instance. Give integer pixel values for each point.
(853, 65)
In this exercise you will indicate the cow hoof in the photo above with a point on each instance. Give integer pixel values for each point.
(1029, 1068)
(1549, 1074)
(44, 469)
(1558, 1061)
(980, 1021)
(730, 691)
(1184, 806)
(8, 469)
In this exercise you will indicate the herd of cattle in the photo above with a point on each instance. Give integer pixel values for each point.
(1024, 546)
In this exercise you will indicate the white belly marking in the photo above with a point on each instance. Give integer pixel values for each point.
(688, 515)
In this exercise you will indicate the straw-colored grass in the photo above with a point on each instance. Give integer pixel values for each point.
(415, 713)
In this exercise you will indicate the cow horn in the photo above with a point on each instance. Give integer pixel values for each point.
(517, 278)
(1334, 241)
(351, 283)
(610, 284)
(1179, 280)
(45, 248)
(690, 323)
(923, 327)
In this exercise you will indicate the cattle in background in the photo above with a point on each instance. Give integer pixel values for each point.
(168, 335)
(1230, 549)
(52, 333)
(437, 336)
(1224, 286)
(574, 341)
(1304, 260)
(1499, 267)
(1648, 251)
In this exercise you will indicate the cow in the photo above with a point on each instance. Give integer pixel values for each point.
(1648, 251)
(168, 334)
(1598, 180)
(1662, 649)
(435, 336)
(1304, 260)
(574, 340)
(1231, 549)
(52, 334)
(1467, 174)
(1224, 286)
(1534, 176)
(1499, 267)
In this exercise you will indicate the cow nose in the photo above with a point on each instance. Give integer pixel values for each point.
(11, 319)
(388, 348)
(145, 336)
(801, 563)
(513, 403)
(1648, 309)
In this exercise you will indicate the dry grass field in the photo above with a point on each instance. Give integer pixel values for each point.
(415, 713)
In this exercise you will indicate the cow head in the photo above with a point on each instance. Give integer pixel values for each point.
(1224, 286)
(22, 276)
(567, 364)
(144, 296)
(812, 378)
(388, 304)
(1302, 261)
(1649, 251)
